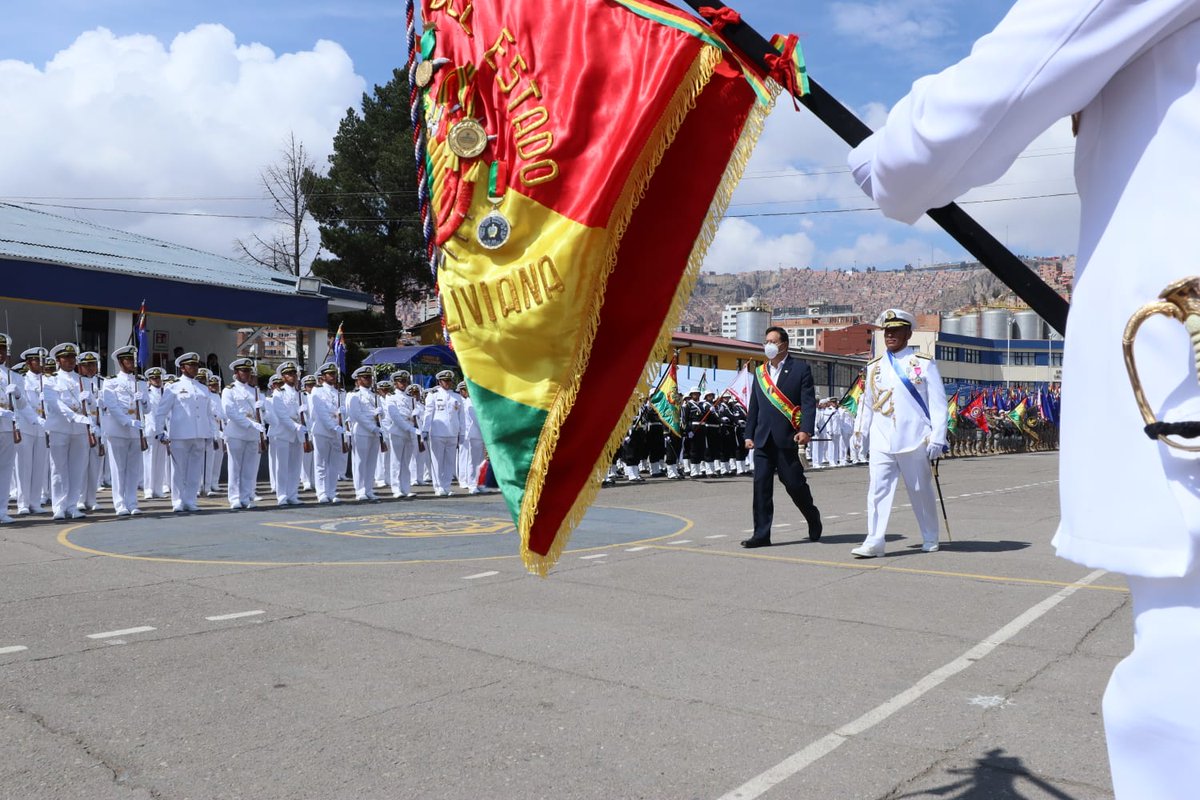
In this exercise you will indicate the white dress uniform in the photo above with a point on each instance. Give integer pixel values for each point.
(123, 409)
(307, 460)
(472, 447)
(184, 418)
(287, 440)
(68, 429)
(363, 416)
(12, 402)
(33, 453)
(402, 441)
(154, 460)
(902, 436)
(94, 473)
(216, 450)
(242, 406)
(444, 427)
(1131, 68)
(327, 432)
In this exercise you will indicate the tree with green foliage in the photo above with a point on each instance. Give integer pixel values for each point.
(366, 204)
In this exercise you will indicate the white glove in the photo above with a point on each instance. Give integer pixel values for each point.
(136, 425)
(138, 397)
(338, 429)
(82, 420)
(935, 451)
(258, 426)
(11, 388)
(258, 403)
(85, 395)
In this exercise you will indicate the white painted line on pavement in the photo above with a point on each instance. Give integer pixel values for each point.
(796, 762)
(831, 516)
(635, 549)
(125, 632)
(238, 615)
(593, 555)
(717, 536)
(480, 575)
(680, 541)
(783, 525)
(16, 648)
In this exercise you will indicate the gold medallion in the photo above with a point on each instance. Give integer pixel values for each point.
(467, 138)
(424, 73)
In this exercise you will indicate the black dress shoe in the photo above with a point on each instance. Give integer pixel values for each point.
(756, 543)
(814, 530)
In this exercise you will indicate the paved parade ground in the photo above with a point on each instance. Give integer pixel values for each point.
(400, 650)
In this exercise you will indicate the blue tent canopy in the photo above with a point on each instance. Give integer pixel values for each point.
(432, 355)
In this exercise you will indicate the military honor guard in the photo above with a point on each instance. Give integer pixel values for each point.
(241, 408)
(33, 452)
(12, 401)
(288, 435)
(472, 448)
(88, 367)
(308, 384)
(445, 425)
(904, 408)
(327, 423)
(402, 411)
(183, 422)
(421, 466)
(156, 460)
(69, 423)
(123, 411)
(366, 428)
(216, 455)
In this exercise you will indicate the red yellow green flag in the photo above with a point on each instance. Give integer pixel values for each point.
(854, 396)
(952, 414)
(580, 156)
(665, 399)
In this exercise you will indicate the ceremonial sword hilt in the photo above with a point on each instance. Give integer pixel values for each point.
(1181, 302)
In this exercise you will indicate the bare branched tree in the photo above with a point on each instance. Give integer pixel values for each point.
(286, 183)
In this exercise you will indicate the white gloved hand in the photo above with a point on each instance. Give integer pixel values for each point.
(258, 426)
(138, 397)
(136, 424)
(11, 388)
(936, 451)
(82, 420)
(258, 403)
(85, 395)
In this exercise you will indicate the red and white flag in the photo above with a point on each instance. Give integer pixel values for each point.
(740, 388)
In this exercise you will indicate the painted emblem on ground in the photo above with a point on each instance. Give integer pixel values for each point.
(345, 535)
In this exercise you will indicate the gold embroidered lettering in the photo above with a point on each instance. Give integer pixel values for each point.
(509, 305)
(550, 277)
(529, 286)
(540, 116)
(539, 172)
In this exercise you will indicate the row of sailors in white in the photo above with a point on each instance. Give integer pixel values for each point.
(833, 443)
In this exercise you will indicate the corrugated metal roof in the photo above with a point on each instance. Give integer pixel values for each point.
(33, 235)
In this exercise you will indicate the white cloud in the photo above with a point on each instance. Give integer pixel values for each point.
(742, 247)
(130, 117)
(900, 26)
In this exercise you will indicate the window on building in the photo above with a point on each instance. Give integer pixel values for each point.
(1056, 359)
(703, 360)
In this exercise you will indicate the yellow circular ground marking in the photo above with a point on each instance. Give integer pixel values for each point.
(409, 525)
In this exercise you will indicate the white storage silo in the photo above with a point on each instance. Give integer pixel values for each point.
(995, 323)
(968, 324)
(1029, 324)
(951, 323)
(752, 324)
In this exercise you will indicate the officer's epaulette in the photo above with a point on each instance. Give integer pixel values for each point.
(873, 360)
(922, 355)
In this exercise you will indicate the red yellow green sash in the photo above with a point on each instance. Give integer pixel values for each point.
(778, 398)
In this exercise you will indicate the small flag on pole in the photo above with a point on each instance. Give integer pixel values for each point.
(339, 350)
(143, 348)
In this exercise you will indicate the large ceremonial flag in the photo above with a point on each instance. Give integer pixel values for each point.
(339, 350)
(665, 399)
(580, 156)
(952, 414)
(976, 412)
(854, 396)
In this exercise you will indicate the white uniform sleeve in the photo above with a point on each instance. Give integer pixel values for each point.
(965, 126)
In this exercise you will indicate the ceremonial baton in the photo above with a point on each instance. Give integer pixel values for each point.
(1049, 305)
(941, 500)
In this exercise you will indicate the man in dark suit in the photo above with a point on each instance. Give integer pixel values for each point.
(775, 437)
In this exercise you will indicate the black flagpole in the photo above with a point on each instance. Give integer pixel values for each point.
(1048, 303)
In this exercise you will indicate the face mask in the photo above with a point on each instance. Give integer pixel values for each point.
(771, 350)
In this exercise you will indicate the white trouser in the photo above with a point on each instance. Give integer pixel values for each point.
(93, 471)
(8, 465)
(125, 468)
(402, 448)
(364, 455)
(1152, 705)
(244, 459)
(886, 469)
(307, 463)
(216, 456)
(187, 467)
(474, 460)
(32, 455)
(421, 465)
(327, 464)
(154, 469)
(442, 452)
(68, 463)
(344, 463)
(383, 464)
(287, 454)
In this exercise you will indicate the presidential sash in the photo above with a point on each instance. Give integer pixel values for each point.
(777, 398)
(909, 386)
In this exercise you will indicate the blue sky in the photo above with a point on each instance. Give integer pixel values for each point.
(791, 210)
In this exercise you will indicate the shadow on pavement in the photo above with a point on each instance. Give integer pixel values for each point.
(994, 776)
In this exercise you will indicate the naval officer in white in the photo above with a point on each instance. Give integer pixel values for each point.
(903, 408)
(1130, 69)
